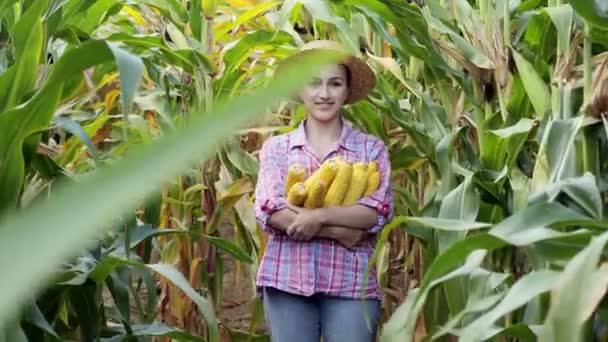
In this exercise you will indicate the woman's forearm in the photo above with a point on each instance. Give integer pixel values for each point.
(335, 217)
(282, 219)
(355, 216)
(348, 237)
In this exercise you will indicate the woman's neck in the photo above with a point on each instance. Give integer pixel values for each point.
(323, 132)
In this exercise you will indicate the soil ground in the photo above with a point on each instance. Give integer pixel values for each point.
(238, 293)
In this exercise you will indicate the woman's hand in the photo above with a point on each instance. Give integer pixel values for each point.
(349, 238)
(306, 225)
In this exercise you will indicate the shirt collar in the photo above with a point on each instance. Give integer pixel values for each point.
(298, 136)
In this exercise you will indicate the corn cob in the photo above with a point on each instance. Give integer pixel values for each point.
(329, 172)
(372, 167)
(326, 172)
(295, 174)
(372, 183)
(358, 184)
(339, 186)
(337, 159)
(297, 194)
(314, 199)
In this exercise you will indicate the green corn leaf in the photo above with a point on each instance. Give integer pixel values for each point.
(130, 69)
(176, 278)
(248, 15)
(537, 90)
(532, 224)
(576, 293)
(230, 248)
(90, 18)
(524, 290)
(20, 78)
(595, 12)
(562, 19)
(400, 327)
(156, 329)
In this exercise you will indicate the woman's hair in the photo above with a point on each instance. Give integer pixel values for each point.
(348, 76)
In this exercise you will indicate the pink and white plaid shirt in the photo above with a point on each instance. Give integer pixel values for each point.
(320, 265)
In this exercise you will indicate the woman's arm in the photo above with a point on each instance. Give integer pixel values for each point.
(281, 220)
(356, 216)
(269, 194)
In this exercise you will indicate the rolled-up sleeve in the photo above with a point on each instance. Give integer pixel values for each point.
(382, 198)
(269, 196)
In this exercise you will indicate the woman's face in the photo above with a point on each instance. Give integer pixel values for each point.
(325, 95)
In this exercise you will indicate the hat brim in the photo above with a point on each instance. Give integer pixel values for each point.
(362, 77)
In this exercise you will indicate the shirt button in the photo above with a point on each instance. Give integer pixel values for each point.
(265, 207)
(385, 210)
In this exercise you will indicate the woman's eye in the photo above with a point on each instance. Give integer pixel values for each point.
(315, 83)
(337, 84)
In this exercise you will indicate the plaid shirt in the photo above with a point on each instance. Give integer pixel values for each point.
(319, 265)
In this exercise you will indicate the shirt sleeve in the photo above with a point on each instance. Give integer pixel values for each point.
(269, 196)
(382, 198)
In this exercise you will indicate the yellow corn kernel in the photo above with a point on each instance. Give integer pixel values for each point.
(358, 184)
(314, 199)
(338, 188)
(297, 194)
(295, 174)
(373, 183)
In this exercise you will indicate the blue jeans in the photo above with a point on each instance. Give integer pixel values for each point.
(293, 318)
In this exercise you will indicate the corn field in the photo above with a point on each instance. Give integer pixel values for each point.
(129, 139)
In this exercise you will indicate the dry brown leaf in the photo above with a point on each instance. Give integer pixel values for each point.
(597, 104)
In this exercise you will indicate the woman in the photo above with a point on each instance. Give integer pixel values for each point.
(311, 274)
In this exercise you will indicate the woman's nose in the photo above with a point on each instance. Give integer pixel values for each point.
(323, 91)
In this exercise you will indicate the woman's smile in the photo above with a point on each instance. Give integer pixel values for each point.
(325, 105)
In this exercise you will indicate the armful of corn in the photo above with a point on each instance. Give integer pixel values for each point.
(336, 183)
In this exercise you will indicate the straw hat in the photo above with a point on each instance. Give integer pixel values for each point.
(362, 78)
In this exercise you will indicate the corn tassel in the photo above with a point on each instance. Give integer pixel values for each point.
(358, 184)
(372, 183)
(295, 174)
(339, 186)
(315, 195)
